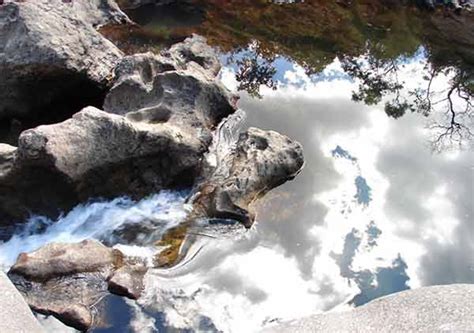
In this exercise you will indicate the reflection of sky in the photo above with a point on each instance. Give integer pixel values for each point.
(373, 212)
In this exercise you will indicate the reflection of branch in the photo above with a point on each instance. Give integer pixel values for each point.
(455, 131)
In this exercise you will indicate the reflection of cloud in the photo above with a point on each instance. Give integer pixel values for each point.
(434, 193)
(417, 228)
(309, 121)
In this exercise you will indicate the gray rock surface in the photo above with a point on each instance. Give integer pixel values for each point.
(69, 281)
(430, 309)
(159, 119)
(50, 50)
(260, 161)
(178, 88)
(15, 315)
(60, 259)
(127, 281)
(107, 154)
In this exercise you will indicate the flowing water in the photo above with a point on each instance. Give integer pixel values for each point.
(384, 203)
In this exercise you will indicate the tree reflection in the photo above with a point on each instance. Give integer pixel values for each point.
(255, 69)
(451, 106)
(373, 40)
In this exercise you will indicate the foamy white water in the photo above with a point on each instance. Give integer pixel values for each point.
(102, 221)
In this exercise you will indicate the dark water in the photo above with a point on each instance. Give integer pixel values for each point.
(381, 99)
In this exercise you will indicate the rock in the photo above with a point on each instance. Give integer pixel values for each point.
(178, 88)
(15, 315)
(195, 50)
(127, 281)
(68, 281)
(260, 161)
(161, 112)
(106, 154)
(7, 156)
(43, 68)
(429, 309)
(62, 259)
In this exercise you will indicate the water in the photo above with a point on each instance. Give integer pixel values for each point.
(130, 226)
(384, 203)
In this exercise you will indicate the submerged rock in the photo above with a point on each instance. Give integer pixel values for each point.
(69, 280)
(260, 161)
(52, 57)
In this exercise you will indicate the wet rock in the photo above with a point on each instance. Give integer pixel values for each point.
(260, 161)
(69, 281)
(127, 281)
(44, 69)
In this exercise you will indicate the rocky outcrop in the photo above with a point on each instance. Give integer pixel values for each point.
(260, 161)
(49, 51)
(429, 309)
(15, 315)
(161, 112)
(69, 280)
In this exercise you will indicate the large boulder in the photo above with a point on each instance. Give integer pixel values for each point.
(260, 161)
(68, 281)
(94, 154)
(52, 59)
(106, 154)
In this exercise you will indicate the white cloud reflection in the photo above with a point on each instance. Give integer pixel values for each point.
(285, 267)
